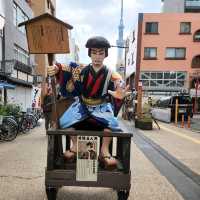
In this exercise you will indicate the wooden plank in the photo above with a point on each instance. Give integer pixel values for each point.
(87, 133)
(106, 179)
(50, 152)
(126, 148)
(47, 36)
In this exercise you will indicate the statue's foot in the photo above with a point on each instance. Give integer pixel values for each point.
(108, 161)
(70, 155)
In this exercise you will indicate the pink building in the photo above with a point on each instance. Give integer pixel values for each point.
(168, 52)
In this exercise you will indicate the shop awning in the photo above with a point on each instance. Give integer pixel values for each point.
(7, 86)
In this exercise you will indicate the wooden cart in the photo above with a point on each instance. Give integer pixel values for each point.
(59, 173)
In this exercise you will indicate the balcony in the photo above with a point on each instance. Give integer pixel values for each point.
(23, 67)
(17, 72)
(6, 67)
(192, 6)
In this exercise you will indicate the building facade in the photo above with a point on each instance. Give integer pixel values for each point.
(17, 65)
(131, 43)
(2, 22)
(180, 6)
(40, 7)
(168, 54)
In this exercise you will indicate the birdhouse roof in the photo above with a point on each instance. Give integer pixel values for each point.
(46, 15)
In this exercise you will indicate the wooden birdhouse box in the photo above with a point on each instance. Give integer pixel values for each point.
(47, 34)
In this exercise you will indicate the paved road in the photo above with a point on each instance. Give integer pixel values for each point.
(22, 164)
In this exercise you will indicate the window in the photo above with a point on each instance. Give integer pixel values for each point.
(163, 79)
(151, 28)
(21, 55)
(166, 75)
(150, 53)
(160, 75)
(181, 75)
(180, 83)
(197, 36)
(196, 62)
(175, 53)
(172, 75)
(18, 17)
(152, 83)
(145, 83)
(185, 27)
(153, 75)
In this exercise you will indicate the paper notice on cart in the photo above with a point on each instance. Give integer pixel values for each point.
(87, 158)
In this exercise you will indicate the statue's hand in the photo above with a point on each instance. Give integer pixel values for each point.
(52, 70)
(66, 68)
(120, 92)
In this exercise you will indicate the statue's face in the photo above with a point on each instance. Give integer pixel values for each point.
(97, 56)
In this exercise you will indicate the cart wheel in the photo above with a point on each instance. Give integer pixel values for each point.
(51, 193)
(123, 195)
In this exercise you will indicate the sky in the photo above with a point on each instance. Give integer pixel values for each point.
(101, 18)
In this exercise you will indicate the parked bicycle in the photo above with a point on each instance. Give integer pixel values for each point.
(8, 128)
(23, 122)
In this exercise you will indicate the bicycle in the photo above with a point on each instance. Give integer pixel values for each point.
(8, 128)
(23, 122)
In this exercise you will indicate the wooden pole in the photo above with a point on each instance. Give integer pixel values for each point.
(139, 101)
(53, 84)
(195, 103)
(176, 112)
(189, 121)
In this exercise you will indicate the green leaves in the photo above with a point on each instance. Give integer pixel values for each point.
(10, 109)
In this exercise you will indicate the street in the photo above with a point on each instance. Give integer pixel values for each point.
(165, 165)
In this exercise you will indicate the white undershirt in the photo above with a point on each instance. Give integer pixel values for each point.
(96, 69)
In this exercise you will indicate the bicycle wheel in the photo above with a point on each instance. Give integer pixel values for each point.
(25, 125)
(9, 129)
(31, 120)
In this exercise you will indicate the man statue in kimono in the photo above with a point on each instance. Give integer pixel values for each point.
(92, 86)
